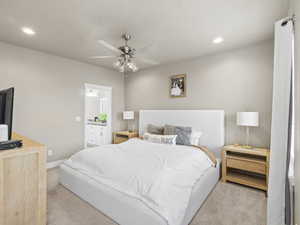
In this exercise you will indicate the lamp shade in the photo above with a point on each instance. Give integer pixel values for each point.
(128, 115)
(250, 119)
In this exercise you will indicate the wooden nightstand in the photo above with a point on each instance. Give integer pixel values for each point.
(122, 136)
(248, 167)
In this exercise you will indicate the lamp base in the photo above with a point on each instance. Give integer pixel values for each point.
(130, 126)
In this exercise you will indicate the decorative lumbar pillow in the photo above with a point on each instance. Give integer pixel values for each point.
(153, 129)
(160, 139)
(195, 137)
(183, 134)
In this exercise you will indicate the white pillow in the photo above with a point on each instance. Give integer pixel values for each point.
(195, 137)
(160, 139)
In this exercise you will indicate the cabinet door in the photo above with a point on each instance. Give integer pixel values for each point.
(100, 135)
(23, 188)
(96, 134)
(91, 135)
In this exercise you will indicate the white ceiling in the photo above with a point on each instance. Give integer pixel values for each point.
(174, 30)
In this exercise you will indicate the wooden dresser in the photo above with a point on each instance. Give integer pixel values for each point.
(23, 190)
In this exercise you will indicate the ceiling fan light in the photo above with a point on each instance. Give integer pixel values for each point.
(117, 64)
(135, 69)
(126, 55)
(130, 65)
(121, 69)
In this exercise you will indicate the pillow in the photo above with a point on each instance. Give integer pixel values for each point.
(160, 139)
(183, 134)
(152, 129)
(195, 137)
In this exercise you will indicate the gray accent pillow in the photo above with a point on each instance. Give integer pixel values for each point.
(183, 134)
(152, 129)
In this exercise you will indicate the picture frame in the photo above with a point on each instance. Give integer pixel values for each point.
(178, 86)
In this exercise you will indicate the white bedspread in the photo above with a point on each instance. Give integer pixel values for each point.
(161, 176)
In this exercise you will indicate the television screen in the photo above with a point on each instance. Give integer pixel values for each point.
(6, 108)
(2, 109)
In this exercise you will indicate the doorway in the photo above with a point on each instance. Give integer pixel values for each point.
(97, 119)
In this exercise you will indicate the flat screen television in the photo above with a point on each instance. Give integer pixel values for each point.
(6, 108)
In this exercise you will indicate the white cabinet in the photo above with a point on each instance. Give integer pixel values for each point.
(95, 134)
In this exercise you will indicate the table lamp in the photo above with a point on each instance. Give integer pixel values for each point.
(247, 119)
(128, 115)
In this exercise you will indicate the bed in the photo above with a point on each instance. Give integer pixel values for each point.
(127, 209)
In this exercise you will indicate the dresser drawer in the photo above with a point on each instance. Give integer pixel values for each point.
(255, 166)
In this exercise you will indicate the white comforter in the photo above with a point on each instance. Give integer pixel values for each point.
(161, 176)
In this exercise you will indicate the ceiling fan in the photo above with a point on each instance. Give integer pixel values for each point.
(126, 56)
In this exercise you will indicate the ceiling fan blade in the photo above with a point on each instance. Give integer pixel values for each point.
(145, 48)
(148, 61)
(103, 57)
(109, 46)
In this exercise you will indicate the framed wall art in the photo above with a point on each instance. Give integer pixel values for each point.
(178, 86)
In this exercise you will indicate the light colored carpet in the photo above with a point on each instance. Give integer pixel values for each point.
(228, 204)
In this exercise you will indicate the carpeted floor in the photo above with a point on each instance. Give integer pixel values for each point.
(228, 204)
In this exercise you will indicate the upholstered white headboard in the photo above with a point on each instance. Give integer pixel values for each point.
(209, 122)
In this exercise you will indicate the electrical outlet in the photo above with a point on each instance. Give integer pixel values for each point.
(50, 152)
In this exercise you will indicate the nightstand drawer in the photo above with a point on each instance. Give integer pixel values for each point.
(122, 136)
(120, 139)
(255, 166)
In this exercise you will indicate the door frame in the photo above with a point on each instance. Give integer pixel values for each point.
(109, 121)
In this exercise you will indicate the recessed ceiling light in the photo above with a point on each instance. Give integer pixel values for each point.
(28, 31)
(218, 40)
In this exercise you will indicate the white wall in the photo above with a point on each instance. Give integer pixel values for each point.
(49, 94)
(237, 80)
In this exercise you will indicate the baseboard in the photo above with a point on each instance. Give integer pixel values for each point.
(51, 165)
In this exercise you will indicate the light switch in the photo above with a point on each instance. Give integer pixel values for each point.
(50, 152)
(77, 118)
